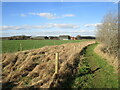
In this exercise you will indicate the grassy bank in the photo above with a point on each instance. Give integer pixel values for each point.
(94, 72)
(14, 45)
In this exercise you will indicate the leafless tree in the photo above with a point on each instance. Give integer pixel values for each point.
(107, 33)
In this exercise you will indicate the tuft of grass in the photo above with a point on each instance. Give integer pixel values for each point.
(26, 80)
(94, 72)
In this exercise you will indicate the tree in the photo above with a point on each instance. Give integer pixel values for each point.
(78, 37)
(107, 33)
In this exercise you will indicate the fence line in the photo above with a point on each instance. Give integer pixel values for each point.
(56, 63)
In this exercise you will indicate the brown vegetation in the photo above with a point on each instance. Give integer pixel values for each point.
(35, 68)
(110, 59)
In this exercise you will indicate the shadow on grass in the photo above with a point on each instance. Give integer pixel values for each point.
(71, 79)
(89, 72)
(86, 71)
(8, 85)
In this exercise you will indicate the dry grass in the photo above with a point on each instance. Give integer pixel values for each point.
(110, 59)
(35, 68)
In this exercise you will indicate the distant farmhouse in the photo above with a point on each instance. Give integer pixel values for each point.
(64, 37)
(61, 37)
(73, 38)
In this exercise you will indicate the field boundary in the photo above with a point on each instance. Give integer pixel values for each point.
(110, 59)
(73, 70)
(94, 71)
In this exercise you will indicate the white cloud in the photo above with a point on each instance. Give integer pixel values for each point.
(23, 15)
(68, 15)
(116, 1)
(25, 27)
(92, 25)
(46, 26)
(66, 26)
(51, 15)
(46, 15)
(11, 27)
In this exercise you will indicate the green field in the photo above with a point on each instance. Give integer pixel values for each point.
(9, 46)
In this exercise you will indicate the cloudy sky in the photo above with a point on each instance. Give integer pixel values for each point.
(53, 18)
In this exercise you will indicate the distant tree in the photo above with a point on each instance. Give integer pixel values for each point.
(23, 37)
(107, 33)
(78, 37)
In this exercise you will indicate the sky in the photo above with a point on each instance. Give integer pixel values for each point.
(53, 18)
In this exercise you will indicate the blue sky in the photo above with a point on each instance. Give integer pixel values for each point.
(53, 18)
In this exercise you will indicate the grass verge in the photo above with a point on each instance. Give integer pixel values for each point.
(94, 72)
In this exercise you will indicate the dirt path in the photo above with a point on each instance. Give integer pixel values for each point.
(35, 68)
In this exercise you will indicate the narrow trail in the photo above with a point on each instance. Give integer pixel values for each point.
(93, 72)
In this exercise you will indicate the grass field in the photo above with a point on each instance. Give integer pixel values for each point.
(94, 72)
(9, 46)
